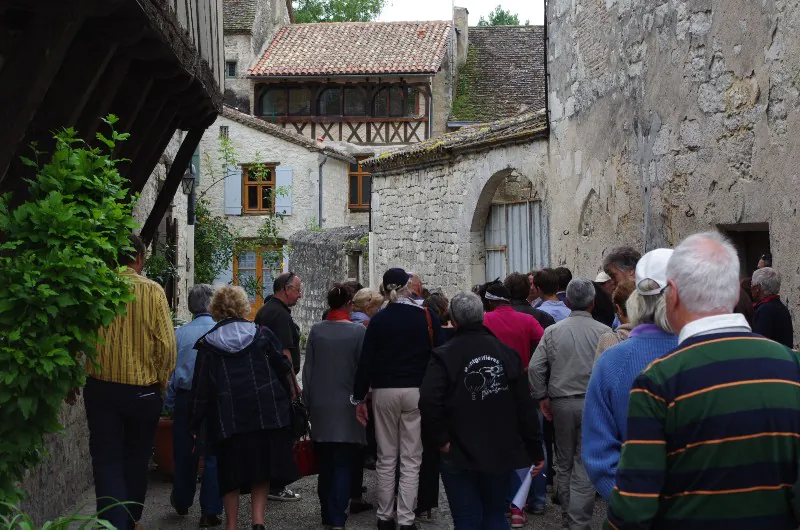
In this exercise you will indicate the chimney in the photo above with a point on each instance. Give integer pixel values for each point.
(460, 21)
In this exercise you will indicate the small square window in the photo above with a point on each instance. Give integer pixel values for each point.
(230, 69)
(223, 131)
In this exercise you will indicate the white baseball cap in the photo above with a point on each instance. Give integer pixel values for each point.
(602, 277)
(653, 266)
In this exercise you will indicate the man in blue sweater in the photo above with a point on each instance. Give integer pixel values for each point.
(605, 415)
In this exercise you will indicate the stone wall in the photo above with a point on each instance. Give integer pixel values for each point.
(321, 258)
(669, 118)
(61, 479)
(431, 220)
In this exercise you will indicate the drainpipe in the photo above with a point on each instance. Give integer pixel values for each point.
(319, 219)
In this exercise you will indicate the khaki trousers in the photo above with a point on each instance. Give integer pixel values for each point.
(398, 430)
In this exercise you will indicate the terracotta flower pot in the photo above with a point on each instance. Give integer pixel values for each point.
(163, 447)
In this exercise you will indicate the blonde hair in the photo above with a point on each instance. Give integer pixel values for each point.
(229, 301)
(395, 292)
(650, 309)
(367, 298)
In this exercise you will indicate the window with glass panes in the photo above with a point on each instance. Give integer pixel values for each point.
(258, 188)
(360, 186)
(255, 270)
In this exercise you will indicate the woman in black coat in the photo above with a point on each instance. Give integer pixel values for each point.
(242, 391)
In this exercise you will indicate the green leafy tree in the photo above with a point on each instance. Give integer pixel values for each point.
(501, 17)
(59, 285)
(336, 10)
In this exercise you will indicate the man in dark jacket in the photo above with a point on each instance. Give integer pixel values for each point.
(772, 319)
(477, 408)
(520, 288)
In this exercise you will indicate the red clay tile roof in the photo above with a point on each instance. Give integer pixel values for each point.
(355, 48)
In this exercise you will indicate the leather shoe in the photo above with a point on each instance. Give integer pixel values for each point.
(386, 525)
(208, 520)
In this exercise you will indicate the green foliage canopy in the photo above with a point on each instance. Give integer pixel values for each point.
(501, 17)
(59, 285)
(336, 10)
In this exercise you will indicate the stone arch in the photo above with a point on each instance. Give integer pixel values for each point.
(506, 186)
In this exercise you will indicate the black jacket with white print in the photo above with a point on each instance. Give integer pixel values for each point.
(475, 396)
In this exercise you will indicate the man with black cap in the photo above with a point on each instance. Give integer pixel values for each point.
(396, 351)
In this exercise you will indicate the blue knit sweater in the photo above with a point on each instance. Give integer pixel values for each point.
(605, 413)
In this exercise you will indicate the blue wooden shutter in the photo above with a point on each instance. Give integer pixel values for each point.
(283, 181)
(233, 190)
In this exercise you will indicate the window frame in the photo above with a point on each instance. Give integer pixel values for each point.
(259, 185)
(256, 304)
(360, 174)
(235, 69)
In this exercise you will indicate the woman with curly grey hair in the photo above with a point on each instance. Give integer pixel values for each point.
(606, 409)
(242, 390)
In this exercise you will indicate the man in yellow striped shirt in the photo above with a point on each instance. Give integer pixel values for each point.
(124, 392)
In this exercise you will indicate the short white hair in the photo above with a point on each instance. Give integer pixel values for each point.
(705, 270)
(580, 293)
(768, 279)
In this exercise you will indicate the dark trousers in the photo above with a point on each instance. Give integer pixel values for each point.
(333, 484)
(548, 433)
(357, 474)
(186, 462)
(477, 499)
(428, 492)
(122, 423)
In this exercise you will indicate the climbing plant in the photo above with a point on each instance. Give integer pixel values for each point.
(59, 285)
(216, 241)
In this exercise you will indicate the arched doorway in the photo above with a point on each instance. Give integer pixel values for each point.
(509, 227)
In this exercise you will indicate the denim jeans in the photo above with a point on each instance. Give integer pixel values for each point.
(333, 484)
(122, 423)
(537, 495)
(477, 499)
(186, 462)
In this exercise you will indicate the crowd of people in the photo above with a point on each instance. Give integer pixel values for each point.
(660, 386)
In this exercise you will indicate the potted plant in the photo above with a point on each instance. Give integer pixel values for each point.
(163, 445)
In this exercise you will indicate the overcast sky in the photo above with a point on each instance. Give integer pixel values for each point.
(532, 10)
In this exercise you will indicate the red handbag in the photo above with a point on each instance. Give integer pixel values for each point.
(305, 458)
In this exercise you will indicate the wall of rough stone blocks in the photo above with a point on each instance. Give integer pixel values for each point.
(321, 259)
(673, 117)
(431, 220)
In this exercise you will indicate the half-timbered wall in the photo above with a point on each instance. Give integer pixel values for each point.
(379, 122)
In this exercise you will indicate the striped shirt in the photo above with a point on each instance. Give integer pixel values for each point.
(138, 347)
(713, 431)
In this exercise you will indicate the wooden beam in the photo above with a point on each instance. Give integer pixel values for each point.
(26, 77)
(173, 182)
(142, 167)
(101, 98)
(131, 96)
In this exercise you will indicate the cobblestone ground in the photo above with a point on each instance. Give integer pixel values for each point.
(158, 514)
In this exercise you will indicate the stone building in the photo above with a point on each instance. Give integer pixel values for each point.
(663, 119)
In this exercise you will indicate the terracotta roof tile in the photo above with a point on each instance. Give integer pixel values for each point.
(355, 48)
(504, 74)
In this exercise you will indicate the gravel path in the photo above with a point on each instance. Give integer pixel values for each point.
(158, 514)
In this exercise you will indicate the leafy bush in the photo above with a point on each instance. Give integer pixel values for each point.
(214, 244)
(59, 285)
(17, 520)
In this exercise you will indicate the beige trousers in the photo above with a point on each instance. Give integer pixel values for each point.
(398, 431)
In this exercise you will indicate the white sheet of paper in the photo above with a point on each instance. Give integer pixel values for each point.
(522, 493)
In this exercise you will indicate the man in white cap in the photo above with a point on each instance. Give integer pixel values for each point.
(605, 417)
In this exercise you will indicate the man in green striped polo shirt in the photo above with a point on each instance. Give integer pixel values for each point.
(713, 426)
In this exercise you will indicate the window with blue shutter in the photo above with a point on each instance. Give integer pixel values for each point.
(283, 197)
(233, 190)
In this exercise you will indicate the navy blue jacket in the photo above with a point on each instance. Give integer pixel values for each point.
(396, 350)
(773, 321)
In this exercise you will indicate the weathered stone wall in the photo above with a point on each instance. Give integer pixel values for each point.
(669, 118)
(61, 479)
(320, 258)
(432, 220)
